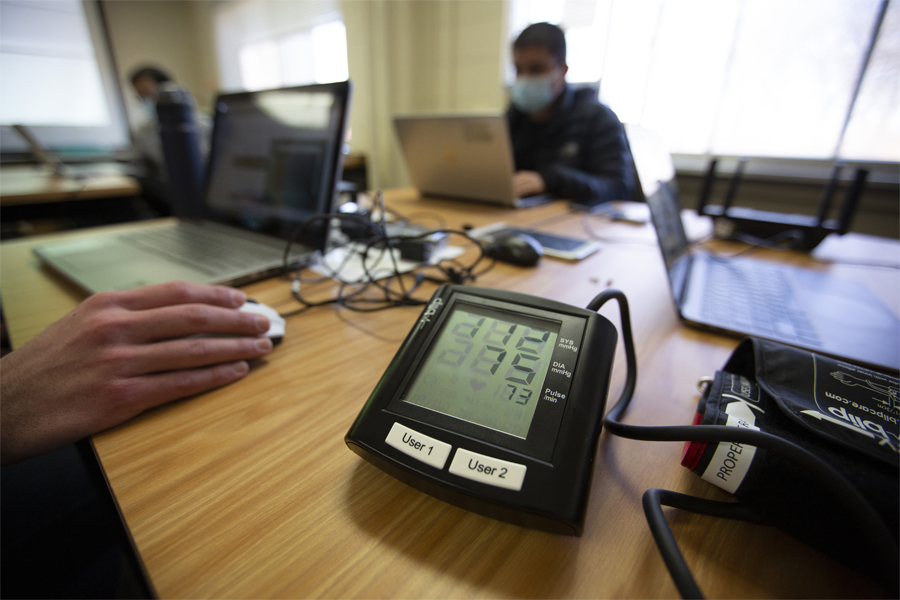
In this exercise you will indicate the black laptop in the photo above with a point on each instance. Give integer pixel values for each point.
(275, 161)
(746, 296)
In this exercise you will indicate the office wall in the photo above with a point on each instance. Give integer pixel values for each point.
(175, 35)
(409, 56)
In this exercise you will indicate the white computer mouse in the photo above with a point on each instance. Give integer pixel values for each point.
(276, 321)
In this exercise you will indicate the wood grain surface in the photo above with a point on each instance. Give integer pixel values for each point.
(250, 491)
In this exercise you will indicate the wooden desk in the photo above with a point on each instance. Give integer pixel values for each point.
(250, 491)
(36, 185)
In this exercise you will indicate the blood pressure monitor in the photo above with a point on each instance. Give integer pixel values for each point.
(494, 403)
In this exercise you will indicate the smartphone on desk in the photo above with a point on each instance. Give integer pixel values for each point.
(558, 246)
(617, 210)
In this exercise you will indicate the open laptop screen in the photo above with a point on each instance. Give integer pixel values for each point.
(276, 158)
(666, 215)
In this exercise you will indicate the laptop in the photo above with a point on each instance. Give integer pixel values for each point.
(462, 157)
(275, 161)
(745, 296)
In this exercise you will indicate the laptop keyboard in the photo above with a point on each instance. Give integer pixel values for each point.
(200, 249)
(757, 298)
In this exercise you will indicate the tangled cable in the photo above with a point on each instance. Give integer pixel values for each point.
(391, 290)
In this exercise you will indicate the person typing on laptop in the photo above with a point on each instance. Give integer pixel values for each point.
(564, 141)
(118, 354)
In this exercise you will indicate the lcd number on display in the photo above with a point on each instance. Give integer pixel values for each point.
(486, 371)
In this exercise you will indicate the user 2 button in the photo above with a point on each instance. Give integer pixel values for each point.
(421, 447)
(487, 469)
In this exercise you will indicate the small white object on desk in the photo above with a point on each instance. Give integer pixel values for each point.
(276, 321)
(347, 262)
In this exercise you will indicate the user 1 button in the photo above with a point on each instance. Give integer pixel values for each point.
(427, 449)
(489, 470)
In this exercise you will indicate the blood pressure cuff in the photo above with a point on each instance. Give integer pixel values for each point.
(844, 414)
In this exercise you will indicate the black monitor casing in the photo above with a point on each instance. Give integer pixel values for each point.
(559, 448)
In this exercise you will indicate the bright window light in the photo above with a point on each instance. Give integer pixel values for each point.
(685, 83)
(296, 66)
(49, 74)
(318, 55)
(792, 76)
(330, 52)
(263, 44)
(260, 66)
(873, 132)
(538, 11)
(587, 47)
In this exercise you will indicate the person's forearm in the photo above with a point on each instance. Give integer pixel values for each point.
(573, 184)
(118, 354)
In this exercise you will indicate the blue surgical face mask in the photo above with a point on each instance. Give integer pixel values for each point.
(532, 94)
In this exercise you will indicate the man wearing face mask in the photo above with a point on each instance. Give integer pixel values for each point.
(564, 141)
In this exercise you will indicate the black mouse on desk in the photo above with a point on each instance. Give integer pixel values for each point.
(516, 248)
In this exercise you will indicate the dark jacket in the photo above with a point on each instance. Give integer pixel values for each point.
(580, 151)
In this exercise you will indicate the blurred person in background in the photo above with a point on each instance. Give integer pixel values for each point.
(564, 141)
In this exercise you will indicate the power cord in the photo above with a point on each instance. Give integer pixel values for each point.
(654, 499)
(870, 523)
(435, 216)
(391, 290)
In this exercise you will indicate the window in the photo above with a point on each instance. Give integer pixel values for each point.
(762, 78)
(57, 78)
(265, 45)
(873, 130)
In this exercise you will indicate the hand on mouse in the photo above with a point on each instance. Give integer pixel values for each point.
(117, 354)
(528, 183)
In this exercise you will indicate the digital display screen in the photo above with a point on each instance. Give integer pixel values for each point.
(273, 153)
(274, 159)
(665, 211)
(487, 367)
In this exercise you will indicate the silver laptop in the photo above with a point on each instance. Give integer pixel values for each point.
(795, 306)
(275, 161)
(461, 157)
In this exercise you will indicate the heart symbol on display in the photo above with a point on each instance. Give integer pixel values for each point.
(477, 385)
